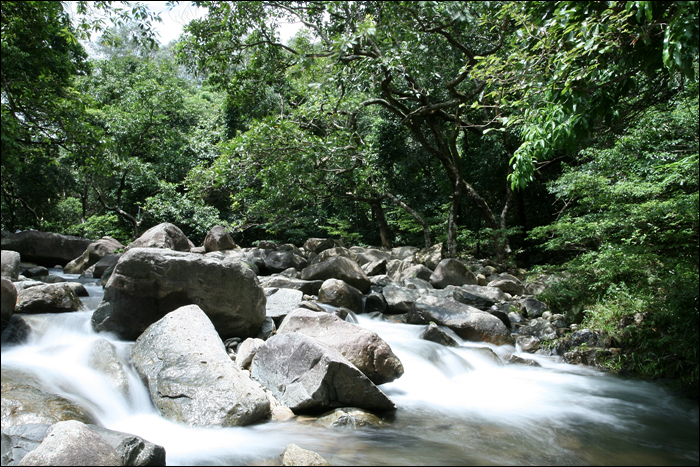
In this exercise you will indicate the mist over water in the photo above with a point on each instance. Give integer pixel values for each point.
(456, 406)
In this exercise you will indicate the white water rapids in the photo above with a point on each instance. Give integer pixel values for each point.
(456, 406)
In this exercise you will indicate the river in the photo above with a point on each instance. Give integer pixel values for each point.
(456, 406)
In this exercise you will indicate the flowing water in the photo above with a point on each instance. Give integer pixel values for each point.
(456, 406)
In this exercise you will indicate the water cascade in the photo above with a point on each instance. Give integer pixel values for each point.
(456, 406)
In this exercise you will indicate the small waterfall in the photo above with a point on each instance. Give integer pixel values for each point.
(456, 406)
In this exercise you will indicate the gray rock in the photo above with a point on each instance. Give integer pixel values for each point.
(476, 298)
(49, 298)
(439, 335)
(305, 375)
(533, 307)
(103, 357)
(399, 299)
(44, 248)
(381, 280)
(294, 455)
(451, 272)
(133, 449)
(10, 264)
(375, 302)
(403, 252)
(414, 272)
(374, 268)
(508, 284)
(280, 302)
(539, 328)
(19, 440)
(317, 245)
(331, 252)
(92, 254)
(430, 257)
(339, 294)
(148, 283)
(362, 347)
(370, 255)
(246, 351)
(468, 322)
(35, 272)
(219, 239)
(17, 331)
(528, 343)
(78, 288)
(165, 235)
(338, 267)
(8, 300)
(190, 376)
(72, 443)
(278, 261)
(281, 282)
(395, 267)
(24, 401)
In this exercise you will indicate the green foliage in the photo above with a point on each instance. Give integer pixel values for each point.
(100, 225)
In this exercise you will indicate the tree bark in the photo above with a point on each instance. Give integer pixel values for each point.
(426, 228)
(384, 232)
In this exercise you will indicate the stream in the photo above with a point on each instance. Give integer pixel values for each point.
(456, 406)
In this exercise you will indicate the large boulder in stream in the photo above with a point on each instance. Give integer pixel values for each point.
(45, 248)
(451, 271)
(305, 375)
(72, 443)
(8, 300)
(165, 235)
(362, 347)
(339, 294)
(219, 239)
(48, 298)
(148, 283)
(338, 267)
(10, 264)
(467, 322)
(25, 401)
(190, 376)
(92, 254)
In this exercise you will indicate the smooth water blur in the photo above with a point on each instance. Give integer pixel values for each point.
(456, 406)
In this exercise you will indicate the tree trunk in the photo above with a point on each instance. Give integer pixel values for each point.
(452, 225)
(426, 228)
(384, 232)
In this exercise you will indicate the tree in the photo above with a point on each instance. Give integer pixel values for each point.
(407, 58)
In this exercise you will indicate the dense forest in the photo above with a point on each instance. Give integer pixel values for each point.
(557, 136)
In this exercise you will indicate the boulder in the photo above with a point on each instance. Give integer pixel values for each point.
(539, 328)
(374, 268)
(72, 443)
(19, 440)
(102, 357)
(92, 254)
(278, 261)
(317, 245)
(49, 298)
(339, 294)
(451, 272)
(165, 235)
(280, 302)
(10, 264)
(467, 322)
(36, 272)
(350, 417)
(148, 283)
(362, 347)
(132, 449)
(106, 262)
(331, 252)
(190, 376)
(417, 271)
(45, 248)
(24, 401)
(403, 252)
(439, 335)
(375, 302)
(430, 257)
(219, 239)
(508, 284)
(246, 351)
(370, 255)
(294, 455)
(338, 267)
(395, 267)
(8, 300)
(282, 282)
(533, 307)
(306, 375)
(477, 296)
(399, 299)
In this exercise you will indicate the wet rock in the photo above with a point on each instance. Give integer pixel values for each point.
(165, 235)
(477, 296)
(132, 449)
(280, 260)
(515, 360)
(361, 347)
(281, 282)
(528, 343)
(399, 299)
(8, 300)
(49, 298)
(219, 239)
(17, 331)
(72, 443)
(294, 455)
(148, 283)
(10, 264)
(44, 248)
(92, 255)
(19, 440)
(103, 357)
(338, 267)
(451, 272)
(468, 322)
(305, 375)
(339, 294)
(190, 376)
(539, 328)
(35, 272)
(375, 302)
(439, 334)
(350, 417)
(24, 401)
